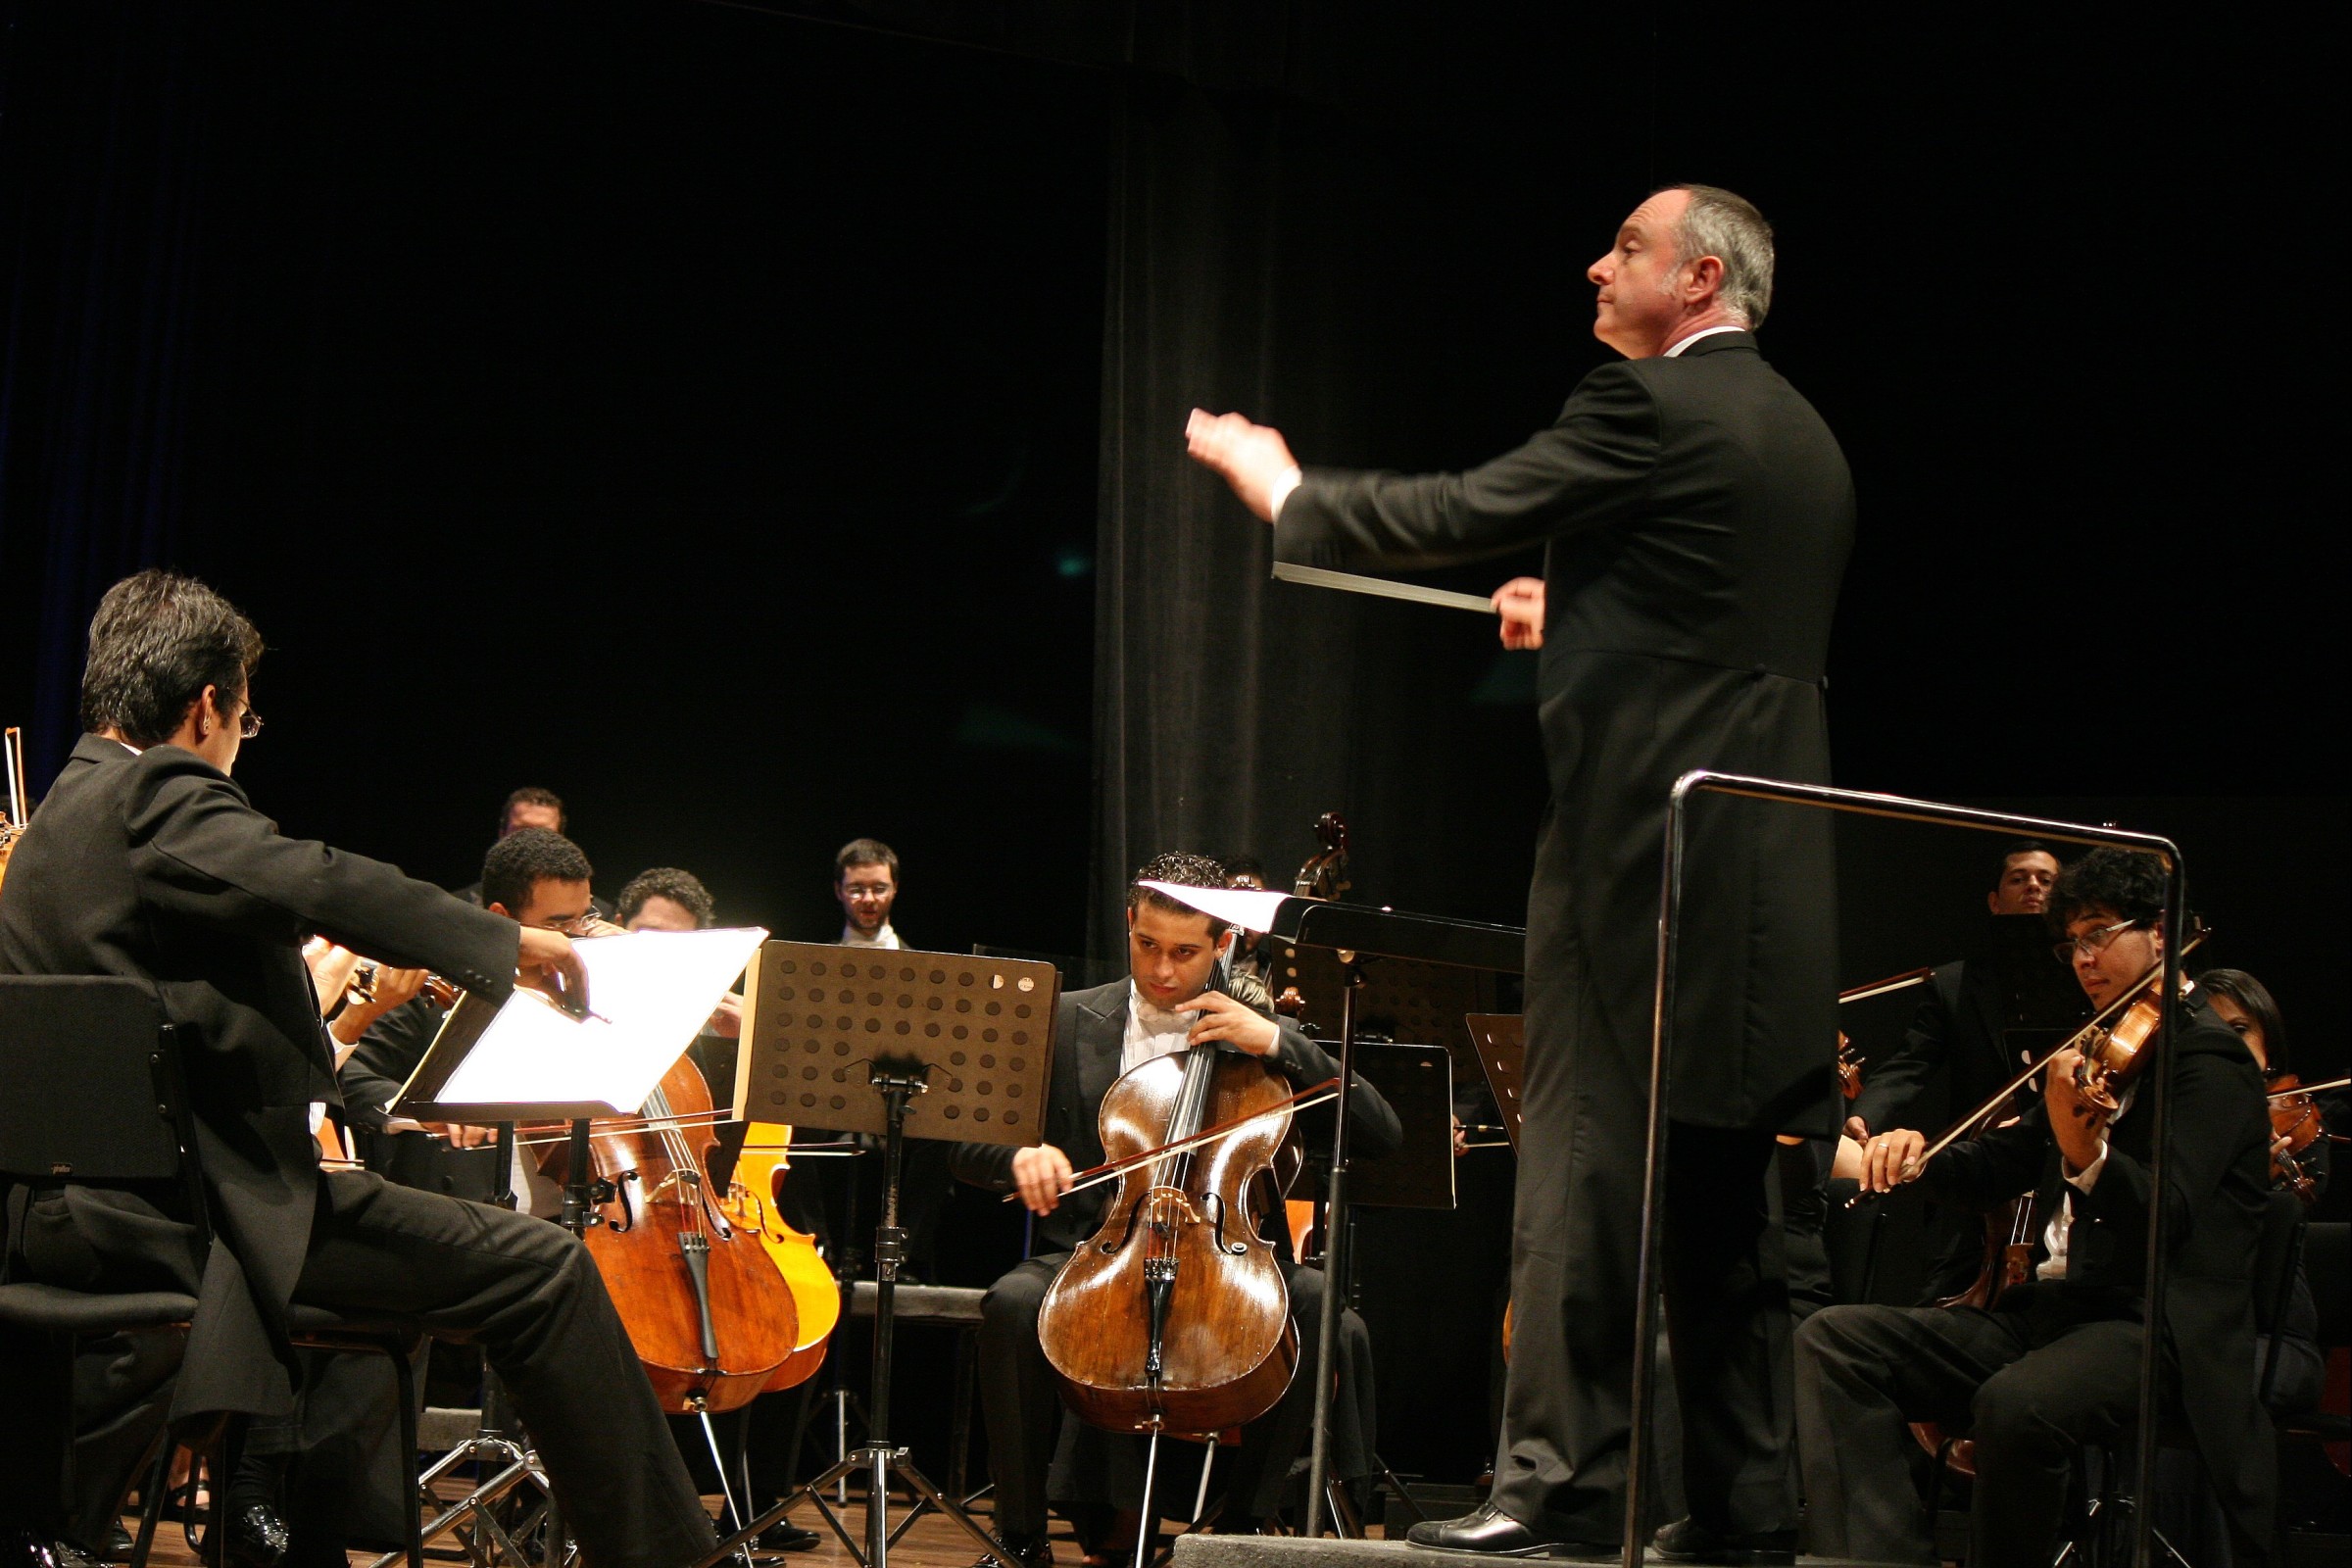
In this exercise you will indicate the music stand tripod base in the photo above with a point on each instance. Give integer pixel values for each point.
(959, 1046)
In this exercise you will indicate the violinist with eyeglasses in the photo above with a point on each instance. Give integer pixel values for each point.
(2053, 1364)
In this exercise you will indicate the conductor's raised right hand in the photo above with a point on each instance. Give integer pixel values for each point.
(1520, 604)
(1043, 1175)
(549, 964)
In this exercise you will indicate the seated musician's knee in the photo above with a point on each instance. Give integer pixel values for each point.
(1011, 1305)
(2011, 1417)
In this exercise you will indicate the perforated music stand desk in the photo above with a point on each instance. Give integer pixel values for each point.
(909, 1045)
(815, 1014)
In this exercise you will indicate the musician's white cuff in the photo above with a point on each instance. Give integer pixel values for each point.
(2090, 1172)
(1282, 492)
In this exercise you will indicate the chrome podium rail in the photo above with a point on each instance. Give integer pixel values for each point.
(1661, 1050)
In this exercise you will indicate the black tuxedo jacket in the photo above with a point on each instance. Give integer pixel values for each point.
(2217, 1183)
(1956, 1030)
(1695, 515)
(157, 867)
(1090, 1032)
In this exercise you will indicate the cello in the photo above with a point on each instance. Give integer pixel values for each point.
(1173, 1316)
(753, 1201)
(712, 1320)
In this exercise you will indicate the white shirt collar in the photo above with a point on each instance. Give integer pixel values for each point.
(1152, 1032)
(1676, 352)
(887, 937)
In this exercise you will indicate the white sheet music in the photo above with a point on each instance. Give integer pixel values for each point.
(1248, 907)
(649, 993)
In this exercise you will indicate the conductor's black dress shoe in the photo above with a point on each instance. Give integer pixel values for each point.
(1489, 1532)
(1687, 1541)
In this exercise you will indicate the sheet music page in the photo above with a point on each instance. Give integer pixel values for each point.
(1248, 907)
(648, 994)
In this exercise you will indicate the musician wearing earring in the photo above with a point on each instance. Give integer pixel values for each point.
(1165, 1006)
(148, 862)
(2054, 1365)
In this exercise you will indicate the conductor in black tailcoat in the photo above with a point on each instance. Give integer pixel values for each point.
(146, 860)
(1695, 515)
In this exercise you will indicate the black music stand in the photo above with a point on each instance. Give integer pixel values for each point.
(1354, 933)
(923, 1044)
(1501, 1042)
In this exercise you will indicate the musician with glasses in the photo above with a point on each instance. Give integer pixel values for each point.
(2055, 1363)
(148, 862)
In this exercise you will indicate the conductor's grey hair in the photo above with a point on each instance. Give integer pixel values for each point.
(1728, 226)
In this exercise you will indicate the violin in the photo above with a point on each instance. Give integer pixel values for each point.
(753, 1202)
(2112, 1054)
(1849, 1067)
(2295, 1126)
(1173, 1316)
(710, 1318)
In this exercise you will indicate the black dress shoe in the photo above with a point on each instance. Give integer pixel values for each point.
(1037, 1553)
(1486, 1532)
(256, 1537)
(1687, 1541)
(785, 1535)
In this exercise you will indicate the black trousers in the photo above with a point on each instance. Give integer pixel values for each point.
(2031, 1383)
(1560, 1464)
(527, 1291)
(1020, 1405)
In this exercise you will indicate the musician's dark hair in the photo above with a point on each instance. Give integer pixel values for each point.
(157, 641)
(2255, 1000)
(2016, 848)
(681, 888)
(532, 795)
(518, 863)
(2129, 882)
(1244, 865)
(863, 852)
(1185, 871)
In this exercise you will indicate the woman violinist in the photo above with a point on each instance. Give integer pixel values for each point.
(1164, 1007)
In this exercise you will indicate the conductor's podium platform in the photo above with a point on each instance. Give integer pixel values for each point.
(1294, 1551)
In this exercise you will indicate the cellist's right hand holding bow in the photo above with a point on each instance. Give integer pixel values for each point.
(1042, 1175)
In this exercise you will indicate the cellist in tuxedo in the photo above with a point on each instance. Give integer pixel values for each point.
(150, 862)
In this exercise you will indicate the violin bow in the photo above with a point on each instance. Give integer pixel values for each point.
(1095, 1175)
(1894, 982)
(1961, 1128)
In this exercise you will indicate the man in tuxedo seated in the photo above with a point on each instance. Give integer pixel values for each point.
(2055, 1365)
(1165, 1006)
(539, 879)
(148, 863)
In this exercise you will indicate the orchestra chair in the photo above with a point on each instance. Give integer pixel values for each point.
(2105, 1532)
(955, 1308)
(96, 1092)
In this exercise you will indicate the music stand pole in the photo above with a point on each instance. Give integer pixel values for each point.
(889, 1250)
(1335, 1247)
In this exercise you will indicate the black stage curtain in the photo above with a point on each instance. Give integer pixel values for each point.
(101, 173)
(1290, 200)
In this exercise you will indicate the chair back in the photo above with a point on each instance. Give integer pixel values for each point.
(2276, 1258)
(90, 1083)
(2327, 1265)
